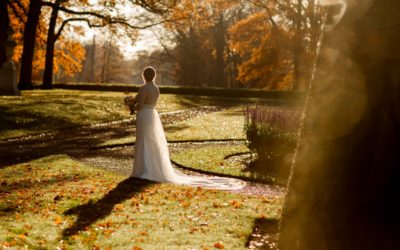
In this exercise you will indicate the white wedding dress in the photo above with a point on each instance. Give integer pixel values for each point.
(152, 161)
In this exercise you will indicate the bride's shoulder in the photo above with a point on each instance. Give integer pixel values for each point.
(142, 86)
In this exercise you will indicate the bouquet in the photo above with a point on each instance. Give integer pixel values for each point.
(130, 102)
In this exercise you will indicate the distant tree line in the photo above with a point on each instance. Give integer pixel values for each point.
(239, 43)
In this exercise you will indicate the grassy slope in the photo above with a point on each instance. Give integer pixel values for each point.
(42, 199)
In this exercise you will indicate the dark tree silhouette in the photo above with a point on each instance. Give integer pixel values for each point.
(51, 40)
(25, 77)
(33, 17)
(4, 24)
(345, 182)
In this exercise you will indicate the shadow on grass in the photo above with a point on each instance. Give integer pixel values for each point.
(264, 235)
(193, 101)
(32, 121)
(175, 128)
(270, 170)
(90, 212)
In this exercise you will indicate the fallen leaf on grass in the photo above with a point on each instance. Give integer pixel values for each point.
(119, 207)
(143, 233)
(219, 245)
(236, 204)
(265, 200)
(58, 220)
(96, 247)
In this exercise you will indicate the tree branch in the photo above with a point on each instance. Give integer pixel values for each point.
(16, 11)
(264, 6)
(108, 19)
(75, 20)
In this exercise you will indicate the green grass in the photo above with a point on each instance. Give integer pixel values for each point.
(227, 124)
(55, 202)
(223, 125)
(211, 159)
(41, 111)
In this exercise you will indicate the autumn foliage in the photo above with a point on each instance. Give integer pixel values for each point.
(266, 58)
(68, 56)
(252, 44)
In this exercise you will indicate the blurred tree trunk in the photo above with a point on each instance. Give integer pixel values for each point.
(25, 77)
(106, 58)
(345, 184)
(51, 40)
(220, 45)
(4, 25)
(297, 46)
(92, 72)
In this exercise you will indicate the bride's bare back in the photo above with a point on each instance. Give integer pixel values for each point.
(147, 95)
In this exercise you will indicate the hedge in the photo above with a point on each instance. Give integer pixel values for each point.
(185, 90)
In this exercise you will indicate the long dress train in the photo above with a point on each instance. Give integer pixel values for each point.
(152, 161)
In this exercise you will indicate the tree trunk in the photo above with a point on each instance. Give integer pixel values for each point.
(297, 47)
(25, 78)
(4, 26)
(51, 40)
(345, 184)
(106, 53)
(220, 45)
(92, 72)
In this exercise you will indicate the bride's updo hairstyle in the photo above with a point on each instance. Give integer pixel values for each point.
(149, 74)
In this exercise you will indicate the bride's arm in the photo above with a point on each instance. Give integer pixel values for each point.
(140, 99)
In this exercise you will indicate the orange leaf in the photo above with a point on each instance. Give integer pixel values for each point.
(119, 207)
(236, 204)
(96, 247)
(143, 233)
(137, 248)
(219, 245)
(58, 220)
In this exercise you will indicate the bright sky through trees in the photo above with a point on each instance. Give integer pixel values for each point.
(146, 39)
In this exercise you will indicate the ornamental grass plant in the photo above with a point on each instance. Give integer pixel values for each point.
(271, 134)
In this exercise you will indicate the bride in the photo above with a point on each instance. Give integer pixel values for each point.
(152, 160)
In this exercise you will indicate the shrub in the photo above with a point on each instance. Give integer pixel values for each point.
(275, 96)
(271, 134)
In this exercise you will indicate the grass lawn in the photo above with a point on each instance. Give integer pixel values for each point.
(41, 111)
(56, 202)
(223, 125)
(211, 159)
(227, 124)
